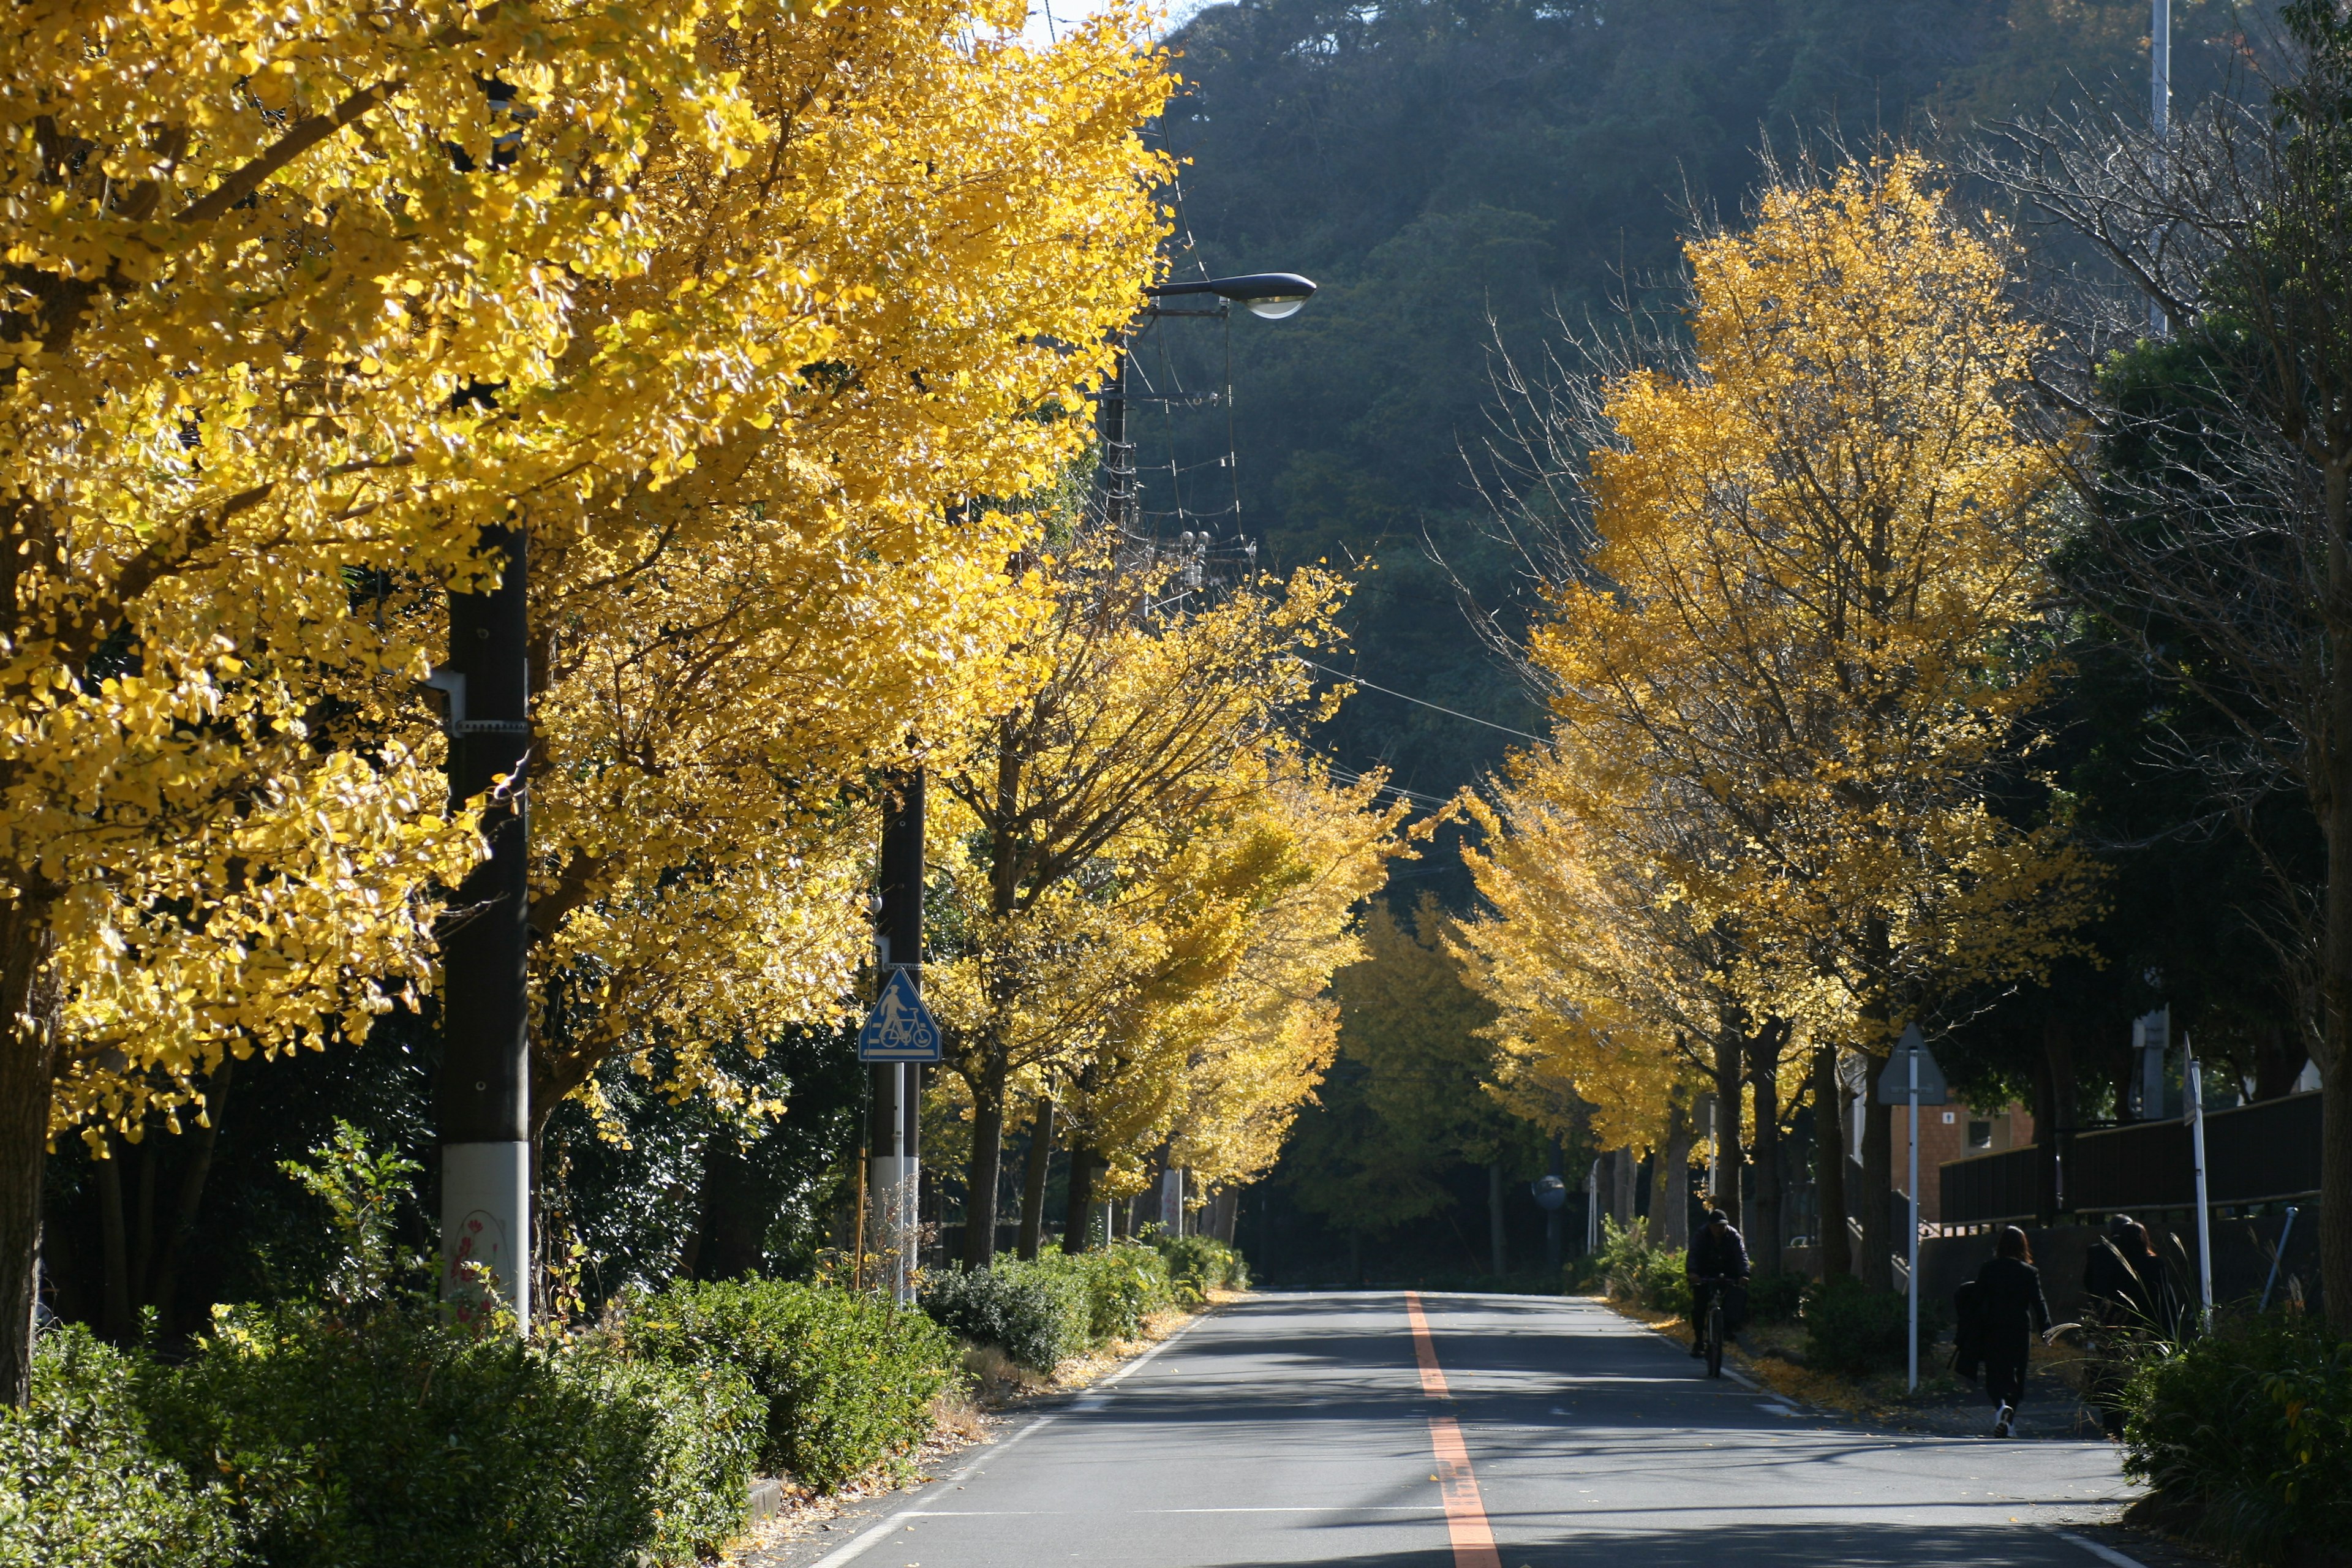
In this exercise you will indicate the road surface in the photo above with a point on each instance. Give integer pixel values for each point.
(1389, 1430)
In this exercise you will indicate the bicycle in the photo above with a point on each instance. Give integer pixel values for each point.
(1711, 1328)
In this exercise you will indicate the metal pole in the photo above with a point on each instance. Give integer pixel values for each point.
(895, 1129)
(2204, 1218)
(2277, 1259)
(482, 1098)
(1911, 1251)
(1592, 1210)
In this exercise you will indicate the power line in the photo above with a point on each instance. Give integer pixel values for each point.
(1455, 713)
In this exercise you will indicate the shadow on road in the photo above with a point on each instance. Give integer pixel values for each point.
(1754, 1546)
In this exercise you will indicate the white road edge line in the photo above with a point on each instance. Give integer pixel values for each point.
(873, 1537)
(2104, 1554)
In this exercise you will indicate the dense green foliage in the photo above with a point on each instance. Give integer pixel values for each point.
(81, 1483)
(848, 1378)
(407, 1439)
(2245, 1436)
(1777, 1297)
(1855, 1329)
(1041, 1314)
(1125, 1283)
(1199, 1264)
(1035, 1313)
(1629, 1269)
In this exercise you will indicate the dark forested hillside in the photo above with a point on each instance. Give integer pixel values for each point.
(1437, 164)
(1457, 172)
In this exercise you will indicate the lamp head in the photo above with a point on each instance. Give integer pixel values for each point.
(1270, 295)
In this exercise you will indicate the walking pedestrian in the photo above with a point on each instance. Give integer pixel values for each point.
(2131, 1305)
(2010, 1300)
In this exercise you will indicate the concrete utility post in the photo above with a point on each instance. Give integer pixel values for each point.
(2160, 118)
(896, 1129)
(482, 1101)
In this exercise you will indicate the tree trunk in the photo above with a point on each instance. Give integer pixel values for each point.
(987, 1161)
(1032, 1180)
(118, 1318)
(28, 1079)
(1763, 1227)
(1621, 1172)
(1877, 1262)
(1834, 1246)
(1730, 1149)
(1499, 1258)
(1078, 1218)
(738, 1203)
(1654, 1224)
(1673, 1192)
(164, 1290)
(2053, 1113)
(2336, 1195)
(2279, 1055)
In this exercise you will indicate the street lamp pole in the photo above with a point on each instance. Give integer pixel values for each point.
(1273, 295)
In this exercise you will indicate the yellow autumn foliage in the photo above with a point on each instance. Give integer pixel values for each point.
(1799, 656)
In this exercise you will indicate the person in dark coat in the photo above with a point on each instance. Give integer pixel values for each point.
(2011, 1305)
(1717, 1253)
(2130, 1302)
(2125, 1281)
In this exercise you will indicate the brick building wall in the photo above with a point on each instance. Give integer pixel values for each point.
(1952, 1133)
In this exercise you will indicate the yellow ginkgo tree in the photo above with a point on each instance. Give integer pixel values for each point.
(1809, 619)
(292, 302)
(725, 660)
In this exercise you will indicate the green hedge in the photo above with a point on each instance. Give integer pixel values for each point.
(848, 1379)
(408, 1441)
(1125, 1283)
(1199, 1264)
(1857, 1329)
(1629, 1268)
(1037, 1314)
(81, 1484)
(2245, 1436)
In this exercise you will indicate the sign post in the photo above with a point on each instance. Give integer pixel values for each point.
(2195, 1086)
(1912, 1078)
(900, 1034)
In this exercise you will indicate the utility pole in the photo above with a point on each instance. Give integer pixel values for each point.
(2159, 119)
(1115, 486)
(482, 1101)
(895, 1132)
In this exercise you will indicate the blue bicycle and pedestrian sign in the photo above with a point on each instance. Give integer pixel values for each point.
(900, 1028)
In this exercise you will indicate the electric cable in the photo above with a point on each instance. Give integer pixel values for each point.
(1456, 713)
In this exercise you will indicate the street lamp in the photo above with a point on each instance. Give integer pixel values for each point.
(1272, 296)
(1275, 295)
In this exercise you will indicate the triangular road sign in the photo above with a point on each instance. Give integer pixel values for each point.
(900, 1028)
(1895, 1081)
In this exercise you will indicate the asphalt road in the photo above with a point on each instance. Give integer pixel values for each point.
(1496, 1432)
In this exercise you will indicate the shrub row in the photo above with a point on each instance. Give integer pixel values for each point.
(2244, 1436)
(1041, 1314)
(846, 1383)
(296, 1437)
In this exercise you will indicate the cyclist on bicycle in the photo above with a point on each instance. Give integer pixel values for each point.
(1718, 1257)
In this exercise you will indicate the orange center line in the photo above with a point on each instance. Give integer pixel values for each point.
(1458, 1483)
(1424, 1349)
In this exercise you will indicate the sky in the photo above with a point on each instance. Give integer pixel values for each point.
(1172, 13)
